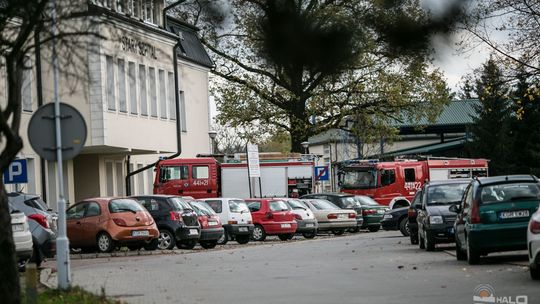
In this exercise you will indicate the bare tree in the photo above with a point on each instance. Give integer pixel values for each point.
(25, 25)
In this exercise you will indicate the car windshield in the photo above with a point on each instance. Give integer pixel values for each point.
(366, 201)
(445, 194)
(296, 204)
(124, 205)
(350, 202)
(278, 206)
(202, 208)
(510, 192)
(324, 205)
(238, 206)
(36, 203)
(179, 204)
(358, 178)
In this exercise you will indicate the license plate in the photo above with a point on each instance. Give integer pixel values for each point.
(17, 227)
(310, 225)
(212, 223)
(342, 216)
(243, 229)
(140, 233)
(193, 231)
(285, 225)
(514, 214)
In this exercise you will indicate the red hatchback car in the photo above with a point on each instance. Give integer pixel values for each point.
(271, 217)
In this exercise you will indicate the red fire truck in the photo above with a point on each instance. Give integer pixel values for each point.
(205, 177)
(395, 183)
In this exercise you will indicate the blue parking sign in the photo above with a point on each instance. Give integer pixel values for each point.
(321, 173)
(16, 172)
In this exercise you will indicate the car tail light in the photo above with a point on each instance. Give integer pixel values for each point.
(535, 227)
(368, 212)
(352, 215)
(176, 216)
(269, 215)
(40, 219)
(233, 222)
(298, 217)
(475, 214)
(249, 222)
(119, 222)
(332, 216)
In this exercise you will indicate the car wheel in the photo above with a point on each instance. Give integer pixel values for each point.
(242, 239)
(429, 242)
(224, 238)
(460, 254)
(535, 272)
(166, 240)
(338, 231)
(421, 243)
(208, 244)
(186, 244)
(105, 243)
(374, 228)
(258, 233)
(354, 230)
(286, 237)
(310, 235)
(404, 226)
(473, 257)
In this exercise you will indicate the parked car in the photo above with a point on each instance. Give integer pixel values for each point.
(494, 215)
(106, 223)
(533, 243)
(175, 219)
(372, 213)
(396, 219)
(412, 213)
(42, 222)
(22, 237)
(271, 217)
(343, 201)
(235, 218)
(211, 229)
(435, 221)
(305, 219)
(330, 217)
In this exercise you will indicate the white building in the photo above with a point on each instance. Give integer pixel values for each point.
(124, 86)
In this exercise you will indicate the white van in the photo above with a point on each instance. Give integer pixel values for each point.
(236, 219)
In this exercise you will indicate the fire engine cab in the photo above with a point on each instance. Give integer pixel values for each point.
(395, 183)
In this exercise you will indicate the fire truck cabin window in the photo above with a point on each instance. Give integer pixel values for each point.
(174, 172)
(409, 175)
(388, 177)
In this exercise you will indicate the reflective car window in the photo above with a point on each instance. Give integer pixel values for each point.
(202, 208)
(179, 204)
(238, 206)
(349, 202)
(295, 204)
(324, 205)
(124, 205)
(92, 209)
(445, 194)
(366, 200)
(215, 205)
(509, 192)
(254, 206)
(278, 206)
(36, 203)
(75, 212)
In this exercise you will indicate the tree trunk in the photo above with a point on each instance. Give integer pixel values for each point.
(9, 273)
(300, 130)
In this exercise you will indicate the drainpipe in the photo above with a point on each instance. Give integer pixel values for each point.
(39, 86)
(177, 104)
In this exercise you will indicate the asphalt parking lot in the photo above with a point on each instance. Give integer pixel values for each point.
(377, 267)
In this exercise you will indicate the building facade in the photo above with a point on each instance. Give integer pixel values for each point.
(122, 80)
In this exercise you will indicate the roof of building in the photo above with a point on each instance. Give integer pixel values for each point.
(191, 47)
(427, 149)
(457, 112)
(454, 118)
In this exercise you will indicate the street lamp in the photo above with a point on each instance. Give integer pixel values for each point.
(305, 144)
(212, 135)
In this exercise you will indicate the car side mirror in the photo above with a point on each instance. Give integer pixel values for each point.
(454, 208)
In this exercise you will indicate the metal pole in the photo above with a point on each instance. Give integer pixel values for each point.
(248, 172)
(62, 242)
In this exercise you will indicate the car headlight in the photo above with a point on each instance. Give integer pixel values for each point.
(387, 216)
(435, 219)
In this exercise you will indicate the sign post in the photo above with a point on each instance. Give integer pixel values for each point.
(254, 168)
